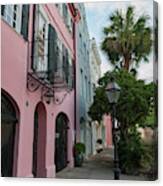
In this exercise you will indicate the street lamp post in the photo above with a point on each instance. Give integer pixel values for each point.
(113, 93)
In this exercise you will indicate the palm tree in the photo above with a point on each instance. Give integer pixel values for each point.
(127, 40)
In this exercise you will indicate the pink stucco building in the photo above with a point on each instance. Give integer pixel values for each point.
(108, 130)
(38, 91)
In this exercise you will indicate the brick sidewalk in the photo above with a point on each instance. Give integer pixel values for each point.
(99, 166)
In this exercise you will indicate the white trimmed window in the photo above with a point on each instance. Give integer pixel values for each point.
(67, 18)
(12, 14)
(69, 59)
(69, 23)
(64, 12)
(71, 71)
(41, 40)
(59, 62)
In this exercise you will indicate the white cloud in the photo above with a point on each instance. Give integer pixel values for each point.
(145, 70)
(105, 67)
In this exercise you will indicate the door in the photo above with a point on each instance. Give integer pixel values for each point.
(61, 142)
(35, 142)
(8, 127)
(39, 142)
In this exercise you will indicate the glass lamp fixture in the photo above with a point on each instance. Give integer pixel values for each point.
(113, 91)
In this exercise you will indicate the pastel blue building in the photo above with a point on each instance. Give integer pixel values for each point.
(83, 81)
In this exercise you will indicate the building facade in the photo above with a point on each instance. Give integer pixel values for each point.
(38, 94)
(107, 123)
(98, 129)
(95, 66)
(83, 81)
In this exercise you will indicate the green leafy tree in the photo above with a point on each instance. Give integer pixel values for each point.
(132, 111)
(133, 105)
(127, 40)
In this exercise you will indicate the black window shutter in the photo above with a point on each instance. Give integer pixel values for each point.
(2, 9)
(25, 21)
(52, 53)
(63, 59)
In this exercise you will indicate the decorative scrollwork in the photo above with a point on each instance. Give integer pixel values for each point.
(49, 91)
(59, 99)
(32, 83)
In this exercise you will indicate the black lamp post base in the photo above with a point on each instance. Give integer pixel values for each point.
(117, 173)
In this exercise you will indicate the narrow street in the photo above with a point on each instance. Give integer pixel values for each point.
(99, 167)
(76, 78)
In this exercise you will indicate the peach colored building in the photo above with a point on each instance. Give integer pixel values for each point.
(38, 94)
(108, 130)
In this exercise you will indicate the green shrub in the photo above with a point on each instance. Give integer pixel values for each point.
(79, 148)
(149, 161)
(130, 151)
(135, 157)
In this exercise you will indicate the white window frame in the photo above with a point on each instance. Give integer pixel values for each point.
(69, 58)
(9, 16)
(41, 61)
(60, 62)
(68, 19)
(69, 25)
(71, 71)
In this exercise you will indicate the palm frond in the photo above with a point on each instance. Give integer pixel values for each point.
(127, 38)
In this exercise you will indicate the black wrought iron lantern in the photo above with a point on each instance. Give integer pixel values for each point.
(113, 91)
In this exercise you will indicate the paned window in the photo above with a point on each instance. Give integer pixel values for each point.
(12, 14)
(41, 40)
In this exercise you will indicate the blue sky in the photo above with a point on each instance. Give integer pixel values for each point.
(98, 17)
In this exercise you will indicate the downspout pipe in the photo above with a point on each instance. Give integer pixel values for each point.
(75, 76)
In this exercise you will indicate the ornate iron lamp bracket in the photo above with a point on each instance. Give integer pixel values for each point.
(49, 92)
(58, 99)
(32, 83)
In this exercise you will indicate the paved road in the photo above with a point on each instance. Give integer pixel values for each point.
(98, 167)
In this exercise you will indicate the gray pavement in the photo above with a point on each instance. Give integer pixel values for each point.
(99, 167)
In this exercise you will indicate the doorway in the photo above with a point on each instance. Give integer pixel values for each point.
(8, 131)
(39, 142)
(61, 142)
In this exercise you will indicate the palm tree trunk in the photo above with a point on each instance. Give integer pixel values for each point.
(127, 59)
(126, 65)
